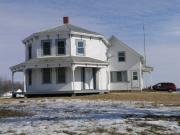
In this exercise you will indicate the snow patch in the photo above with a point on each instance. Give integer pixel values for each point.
(61, 116)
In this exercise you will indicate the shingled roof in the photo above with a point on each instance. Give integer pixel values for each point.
(58, 60)
(68, 27)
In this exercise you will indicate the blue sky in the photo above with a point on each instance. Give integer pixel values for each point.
(122, 18)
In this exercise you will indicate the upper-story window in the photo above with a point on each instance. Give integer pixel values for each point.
(61, 46)
(121, 56)
(80, 47)
(29, 52)
(46, 47)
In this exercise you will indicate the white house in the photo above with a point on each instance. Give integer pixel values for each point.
(68, 59)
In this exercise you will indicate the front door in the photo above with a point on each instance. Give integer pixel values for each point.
(88, 78)
(135, 79)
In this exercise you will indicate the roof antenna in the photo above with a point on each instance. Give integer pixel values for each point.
(144, 44)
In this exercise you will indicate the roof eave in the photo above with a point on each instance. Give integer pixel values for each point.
(105, 41)
(126, 46)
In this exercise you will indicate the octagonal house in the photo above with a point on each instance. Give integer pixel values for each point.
(72, 60)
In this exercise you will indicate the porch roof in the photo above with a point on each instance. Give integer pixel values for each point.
(57, 62)
(147, 69)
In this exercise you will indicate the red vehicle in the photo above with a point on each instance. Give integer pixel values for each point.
(164, 86)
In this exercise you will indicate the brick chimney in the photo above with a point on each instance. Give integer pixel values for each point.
(65, 19)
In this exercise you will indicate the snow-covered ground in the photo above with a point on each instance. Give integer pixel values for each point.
(62, 116)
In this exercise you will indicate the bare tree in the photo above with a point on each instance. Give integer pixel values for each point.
(6, 85)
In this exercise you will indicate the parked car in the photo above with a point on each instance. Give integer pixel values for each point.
(164, 86)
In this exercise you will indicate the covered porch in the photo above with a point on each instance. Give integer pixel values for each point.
(83, 75)
(147, 75)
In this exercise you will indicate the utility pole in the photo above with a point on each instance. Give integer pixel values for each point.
(144, 43)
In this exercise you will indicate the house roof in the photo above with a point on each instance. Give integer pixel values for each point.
(71, 29)
(114, 38)
(123, 44)
(68, 27)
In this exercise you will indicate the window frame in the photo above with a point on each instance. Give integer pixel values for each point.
(84, 47)
(114, 76)
(50, 79)
(42, 45)
(57, 75)
(137, 77)
(57, 46)
(124, 57)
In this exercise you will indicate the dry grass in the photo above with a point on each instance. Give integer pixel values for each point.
(155, 97)
(13, 113)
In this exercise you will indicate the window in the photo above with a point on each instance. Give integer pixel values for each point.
(46, 47)
(135, 76)
(121, 56)
(29, 52)
(80, 47)
(119, 76)
(29, 77)
(46, 75)
(61, 46)
(61, 75)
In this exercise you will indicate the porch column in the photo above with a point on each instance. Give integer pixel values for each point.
(24, 80)
(108, 78)
(100, 79)
(150, 79)
(73, 78)
(13, 83)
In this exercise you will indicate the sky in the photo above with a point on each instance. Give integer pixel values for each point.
(122, 18)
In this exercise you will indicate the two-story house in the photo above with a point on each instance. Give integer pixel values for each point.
(69, 59)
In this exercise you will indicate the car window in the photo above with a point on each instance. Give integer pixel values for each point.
(159, 85)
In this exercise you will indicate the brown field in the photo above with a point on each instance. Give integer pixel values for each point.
(155, 97)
